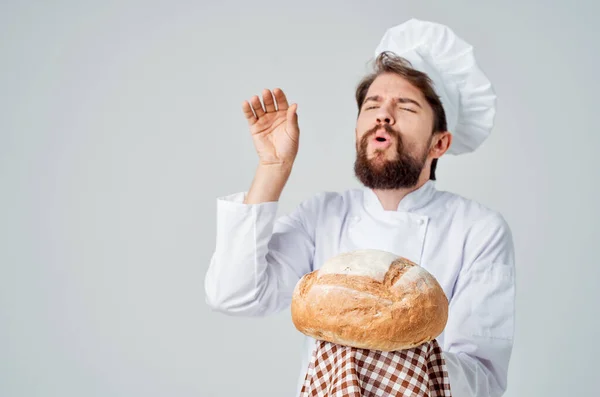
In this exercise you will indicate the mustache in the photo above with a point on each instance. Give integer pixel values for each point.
(386, 127)
(393, 133)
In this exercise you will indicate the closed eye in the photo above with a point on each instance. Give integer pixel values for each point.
(375, 107)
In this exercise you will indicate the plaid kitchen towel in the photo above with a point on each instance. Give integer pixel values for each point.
(336, 371)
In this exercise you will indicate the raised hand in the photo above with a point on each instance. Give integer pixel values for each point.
(274, 127)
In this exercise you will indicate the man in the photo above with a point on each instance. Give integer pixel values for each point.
(401, 131)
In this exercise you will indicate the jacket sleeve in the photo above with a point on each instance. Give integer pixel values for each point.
(479, 334)
(258, 259)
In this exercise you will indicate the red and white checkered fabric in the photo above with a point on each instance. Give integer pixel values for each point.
(336, 371)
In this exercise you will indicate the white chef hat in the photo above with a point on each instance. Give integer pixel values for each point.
(466, 93)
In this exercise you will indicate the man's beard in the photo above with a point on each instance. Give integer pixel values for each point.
(402, 172)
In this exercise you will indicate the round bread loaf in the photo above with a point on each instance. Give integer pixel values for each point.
(370, 299)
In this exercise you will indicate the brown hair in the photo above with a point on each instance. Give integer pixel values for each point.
(388, 62)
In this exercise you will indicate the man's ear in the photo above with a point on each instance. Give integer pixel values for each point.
(441, 143)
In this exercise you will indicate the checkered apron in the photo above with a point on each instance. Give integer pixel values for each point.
(336, 371)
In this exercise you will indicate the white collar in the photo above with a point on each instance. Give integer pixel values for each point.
(416, 199)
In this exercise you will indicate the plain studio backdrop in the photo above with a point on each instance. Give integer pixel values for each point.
(121, 124)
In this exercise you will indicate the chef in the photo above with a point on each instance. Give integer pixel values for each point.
(426, 97)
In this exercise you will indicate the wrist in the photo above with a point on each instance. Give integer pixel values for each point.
(268, 183)
(276, 169)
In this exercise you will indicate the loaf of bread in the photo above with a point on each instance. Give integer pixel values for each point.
(370, 299)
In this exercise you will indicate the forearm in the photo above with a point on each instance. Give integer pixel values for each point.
(258, 259)
(243, 234)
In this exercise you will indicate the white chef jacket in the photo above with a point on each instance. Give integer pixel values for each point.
(468, 247)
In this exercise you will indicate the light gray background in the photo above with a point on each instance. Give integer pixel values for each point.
(121, 123)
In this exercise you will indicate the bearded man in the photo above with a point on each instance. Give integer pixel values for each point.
(425, 98)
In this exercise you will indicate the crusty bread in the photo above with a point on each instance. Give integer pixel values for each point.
(370, 299)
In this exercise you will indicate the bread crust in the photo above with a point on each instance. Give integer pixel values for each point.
(405, 310)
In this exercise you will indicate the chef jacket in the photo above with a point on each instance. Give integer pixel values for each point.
(260, 256)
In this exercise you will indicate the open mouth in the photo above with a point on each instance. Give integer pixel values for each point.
(381, 142)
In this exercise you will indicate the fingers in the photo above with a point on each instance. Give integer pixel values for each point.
(268, 101)
(282, 103)
(248, 113)
(273, 102)
(257, 106)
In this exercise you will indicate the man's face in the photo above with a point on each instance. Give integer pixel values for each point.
(393, 134)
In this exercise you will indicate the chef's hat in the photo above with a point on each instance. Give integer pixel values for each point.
(466, 93)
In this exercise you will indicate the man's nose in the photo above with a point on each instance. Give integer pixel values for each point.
(384, 116)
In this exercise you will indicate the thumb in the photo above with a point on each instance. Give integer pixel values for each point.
(292, 117)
